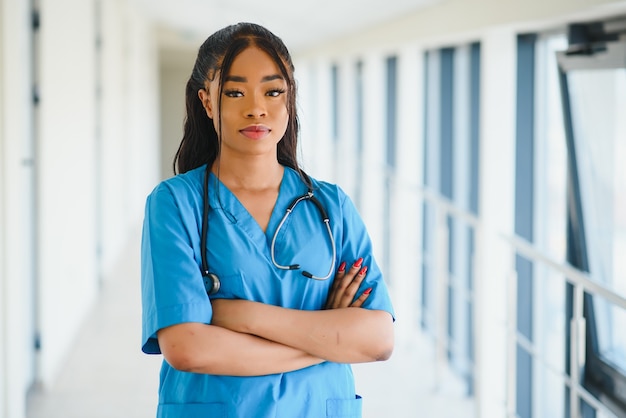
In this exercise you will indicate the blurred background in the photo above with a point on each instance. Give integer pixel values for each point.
(483, 142)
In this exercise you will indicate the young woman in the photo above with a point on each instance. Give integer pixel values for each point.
(239, 248)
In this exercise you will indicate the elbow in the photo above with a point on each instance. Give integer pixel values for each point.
(178, 348)
(384, 339)
(384, 350)
(180, 360)
(385, 355)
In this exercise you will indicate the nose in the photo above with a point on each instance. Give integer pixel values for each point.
(256, 106)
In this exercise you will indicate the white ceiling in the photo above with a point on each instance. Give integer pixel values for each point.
(299, 23)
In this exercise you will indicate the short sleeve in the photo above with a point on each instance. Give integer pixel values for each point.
(357, 243)
(171, 282)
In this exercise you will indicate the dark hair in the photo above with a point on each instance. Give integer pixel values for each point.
(200, 143)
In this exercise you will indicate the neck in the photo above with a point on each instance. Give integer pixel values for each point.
(249, 173)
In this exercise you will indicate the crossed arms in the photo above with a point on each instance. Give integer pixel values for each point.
(249, 338)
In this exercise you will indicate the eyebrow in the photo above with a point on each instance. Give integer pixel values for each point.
(240, 79)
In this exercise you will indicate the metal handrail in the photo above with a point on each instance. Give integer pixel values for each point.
(581, 281)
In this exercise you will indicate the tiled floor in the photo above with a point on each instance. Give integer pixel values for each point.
(107, 376)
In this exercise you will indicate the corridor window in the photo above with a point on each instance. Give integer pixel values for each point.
(601, 153)
(540, 219)
(594, 86)
(452, 104)
(391, 65)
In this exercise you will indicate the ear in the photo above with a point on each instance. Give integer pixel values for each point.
(205, 98)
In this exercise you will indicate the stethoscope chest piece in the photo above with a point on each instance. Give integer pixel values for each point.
(211, 283)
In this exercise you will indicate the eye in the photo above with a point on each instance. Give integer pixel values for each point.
(275, 92)
(233, 93)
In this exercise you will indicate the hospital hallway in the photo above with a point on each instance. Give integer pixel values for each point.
(106, 375)
(481, 142)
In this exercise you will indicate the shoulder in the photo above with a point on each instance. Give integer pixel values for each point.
(180, 186)
(331, 195)
(330, 191)
(179, 194)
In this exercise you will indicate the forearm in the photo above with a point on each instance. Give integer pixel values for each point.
(347, 335)
(200, 348)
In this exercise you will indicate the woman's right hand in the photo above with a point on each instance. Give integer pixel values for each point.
(345, 285)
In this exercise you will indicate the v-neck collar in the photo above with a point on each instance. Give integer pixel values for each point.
(291, 186)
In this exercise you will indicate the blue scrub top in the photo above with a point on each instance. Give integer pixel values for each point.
(173, 290)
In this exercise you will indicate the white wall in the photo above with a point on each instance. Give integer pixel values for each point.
(92, 178)
(175, 69)
(17, 256)
(142, 148)
(129, 145)
(66, 175)
(114, 137)
(449, 19)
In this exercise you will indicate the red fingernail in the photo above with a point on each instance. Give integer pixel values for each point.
(368, 291)
(358, 262)
(363, 270)
(342, 267)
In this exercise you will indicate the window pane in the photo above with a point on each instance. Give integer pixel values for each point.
(600, 140)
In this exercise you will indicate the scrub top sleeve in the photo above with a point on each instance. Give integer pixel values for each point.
(357, 243)
(171, 282)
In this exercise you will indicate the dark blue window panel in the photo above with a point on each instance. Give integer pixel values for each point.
(334, 79)
(524, 268)
(525, 126)
(387, 227)
(447, 120)
(451, 336)
(391, 112)
(474, 124)
(358, 195)
(425, 223)
(426, 259)
(524, 204)
(524, 376)
(470, 349)
(424, 301)
(427, 179)
(392, 93)
(450, 222)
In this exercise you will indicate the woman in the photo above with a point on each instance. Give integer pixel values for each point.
(273, 338)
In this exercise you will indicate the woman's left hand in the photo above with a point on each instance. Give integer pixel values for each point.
(345, 285)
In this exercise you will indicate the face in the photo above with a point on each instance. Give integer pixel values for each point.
(254, 113)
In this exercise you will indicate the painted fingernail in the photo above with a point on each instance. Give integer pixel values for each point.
(368, 291)
(342, 267)
(363, 271)
(358, 262)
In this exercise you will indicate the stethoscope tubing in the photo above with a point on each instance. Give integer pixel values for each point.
(325, 219)
(212, 282)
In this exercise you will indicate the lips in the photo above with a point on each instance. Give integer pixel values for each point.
(255, 131)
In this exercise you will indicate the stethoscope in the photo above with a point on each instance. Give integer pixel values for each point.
(211, 280)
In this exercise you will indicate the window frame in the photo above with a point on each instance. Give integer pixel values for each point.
(592, 45)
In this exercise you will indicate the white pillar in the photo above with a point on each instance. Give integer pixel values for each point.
(346, 148)
(496, 207)
(373, 182)
(114, 136)
(406, 208)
